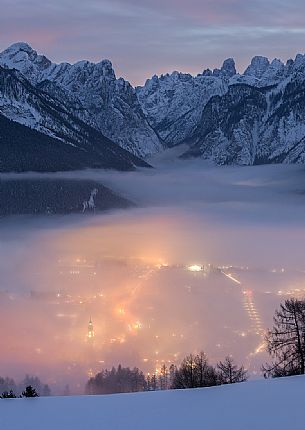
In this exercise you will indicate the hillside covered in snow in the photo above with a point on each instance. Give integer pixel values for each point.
(266, 404)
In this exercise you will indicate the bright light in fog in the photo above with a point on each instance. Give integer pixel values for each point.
(195, 268)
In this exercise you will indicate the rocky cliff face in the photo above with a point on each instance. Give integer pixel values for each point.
(256, 117)
(38, 132)
(173, 103)
(253, 125)
(92, 93)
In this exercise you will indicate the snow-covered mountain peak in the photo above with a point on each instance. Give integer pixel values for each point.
(228, 68)
(206, 72)
(105, 66)
(176, 103)
(37, 68)
(169, 109)
(258, 67)
(93, 93)
(24, 55)
(299, 63)
(226, 71)
(19, 46)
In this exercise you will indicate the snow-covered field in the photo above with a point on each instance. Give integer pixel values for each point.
(272, 404)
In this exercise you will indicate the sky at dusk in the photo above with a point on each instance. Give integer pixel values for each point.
(144, 37)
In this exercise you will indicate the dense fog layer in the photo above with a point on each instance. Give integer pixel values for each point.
(201, 264)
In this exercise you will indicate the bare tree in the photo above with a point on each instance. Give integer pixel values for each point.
(205, 374)
(194, 372)
(230, 373)
(7, 384)
(120, 380)
(286, 340)
(163, 378)
(184, 375)
(153, 383)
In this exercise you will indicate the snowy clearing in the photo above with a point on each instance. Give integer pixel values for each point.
(265, 404)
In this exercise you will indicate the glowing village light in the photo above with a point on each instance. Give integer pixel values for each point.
(134, 327)
(120, 311)
(195, 268)
(137, 325)
(260, 348)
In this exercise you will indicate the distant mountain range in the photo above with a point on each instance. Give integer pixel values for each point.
(81, 115)
(254, 118)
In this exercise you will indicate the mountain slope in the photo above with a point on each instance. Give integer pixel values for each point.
(92, 93)
(253, 125)
(173, 103)
(63, 142)
(169, 99)
(229, 129)
(23, 149)
(50, 196)
(253, 118)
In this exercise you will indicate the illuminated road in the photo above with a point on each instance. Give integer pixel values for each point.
(253, 315)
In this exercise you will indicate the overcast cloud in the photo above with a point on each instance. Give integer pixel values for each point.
(147, 37)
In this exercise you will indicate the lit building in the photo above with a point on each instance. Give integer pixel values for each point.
(90, 334)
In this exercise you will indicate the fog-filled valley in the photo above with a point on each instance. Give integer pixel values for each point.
(200, 262)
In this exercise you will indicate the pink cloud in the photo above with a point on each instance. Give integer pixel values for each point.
(154, 36)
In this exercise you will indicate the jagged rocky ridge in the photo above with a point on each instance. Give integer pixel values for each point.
(254, 117)
(89, 92)
(61, 141)
(252, 125)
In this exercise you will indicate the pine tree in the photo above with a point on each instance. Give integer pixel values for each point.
(46, 391)
(8, 395)
(120, 380)
(29, 392)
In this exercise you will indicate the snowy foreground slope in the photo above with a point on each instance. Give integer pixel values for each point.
(272, 404)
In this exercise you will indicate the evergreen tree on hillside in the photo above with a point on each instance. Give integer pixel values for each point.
(120, 380)
(29, 392)
(8, 395)
(7, 384)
